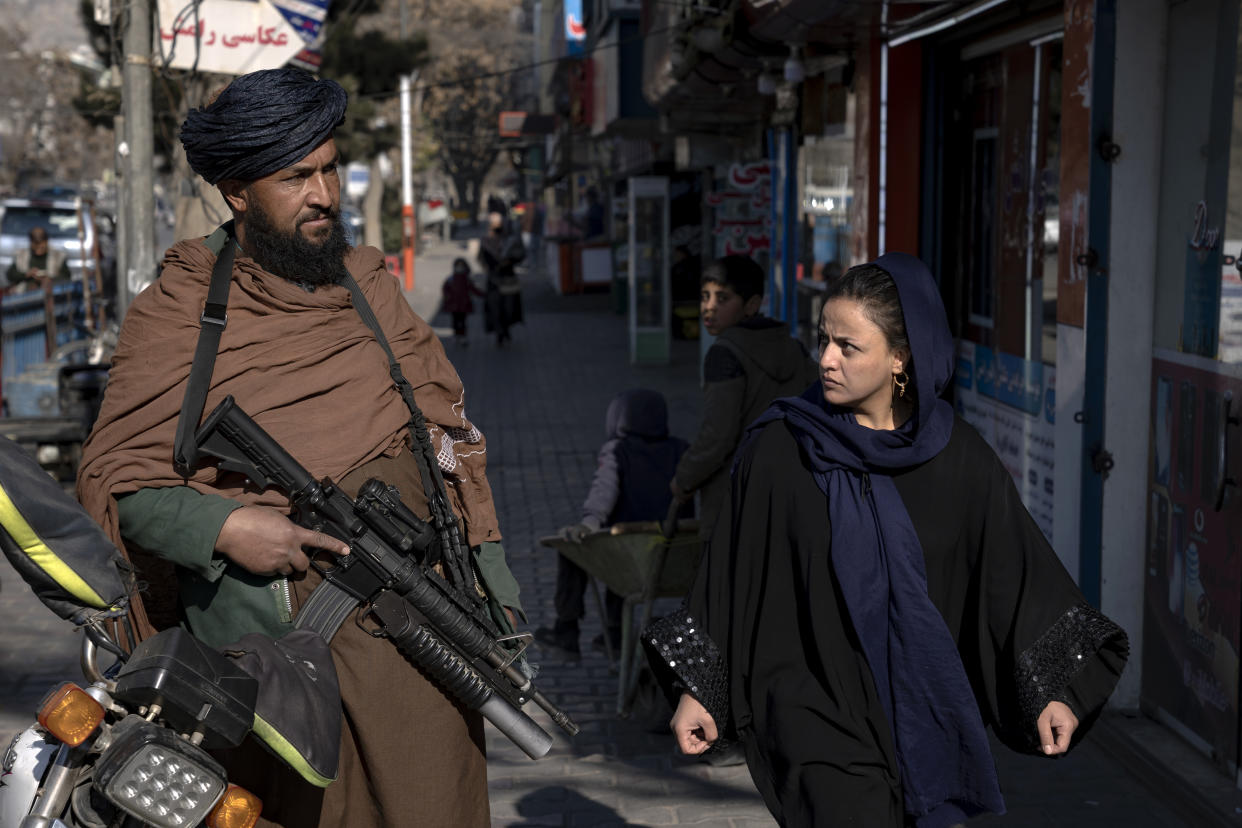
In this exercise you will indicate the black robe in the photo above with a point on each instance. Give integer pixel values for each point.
(765, 642)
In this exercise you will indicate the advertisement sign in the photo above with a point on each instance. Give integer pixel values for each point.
(238, 36)
(1194, 552)
(1012, 403)
(575, 28)
(741, 208)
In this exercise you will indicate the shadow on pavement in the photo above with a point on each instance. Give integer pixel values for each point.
(559, 805)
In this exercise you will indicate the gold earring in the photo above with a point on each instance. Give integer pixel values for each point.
(899, 384)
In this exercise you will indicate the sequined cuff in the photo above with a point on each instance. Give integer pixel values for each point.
(1046, 668)
(685, 659)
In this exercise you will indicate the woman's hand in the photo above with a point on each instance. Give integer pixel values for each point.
(693, 726)
(1056, 725)
(264, 541)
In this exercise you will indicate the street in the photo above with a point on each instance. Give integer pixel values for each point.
(541, 402)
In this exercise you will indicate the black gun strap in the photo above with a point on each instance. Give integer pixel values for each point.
(424, 453)
(212, 322)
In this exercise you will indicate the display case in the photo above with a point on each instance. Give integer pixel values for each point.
(650, 289)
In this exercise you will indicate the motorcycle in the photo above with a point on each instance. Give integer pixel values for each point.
(130, 746)
(129, 749)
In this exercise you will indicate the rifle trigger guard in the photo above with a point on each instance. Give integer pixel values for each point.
(361, 615)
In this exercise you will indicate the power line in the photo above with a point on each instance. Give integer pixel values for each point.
(459, 81)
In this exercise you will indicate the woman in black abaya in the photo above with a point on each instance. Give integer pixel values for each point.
(880, 594)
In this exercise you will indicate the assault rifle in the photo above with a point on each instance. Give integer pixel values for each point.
(394, 573)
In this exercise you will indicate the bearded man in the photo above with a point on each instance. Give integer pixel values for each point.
(299, 358)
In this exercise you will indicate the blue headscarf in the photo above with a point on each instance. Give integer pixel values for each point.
(946, 767)
(260, 123)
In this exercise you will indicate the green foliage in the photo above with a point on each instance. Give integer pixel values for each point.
(373, 59)
(368, 65)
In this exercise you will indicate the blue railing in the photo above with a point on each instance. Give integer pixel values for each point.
(24, 328)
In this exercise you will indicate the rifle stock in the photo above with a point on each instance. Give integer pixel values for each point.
(442, 627)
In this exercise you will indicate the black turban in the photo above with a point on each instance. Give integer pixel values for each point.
(262, 122)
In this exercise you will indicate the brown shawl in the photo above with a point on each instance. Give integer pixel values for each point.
(303, 365)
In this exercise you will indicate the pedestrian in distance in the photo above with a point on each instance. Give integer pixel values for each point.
(632, 471)
(297, 354)
(880, 593)
(500, 252)
(753, 361)
(458, 290)
(37, 264)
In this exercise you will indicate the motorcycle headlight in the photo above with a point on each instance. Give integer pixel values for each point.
(153, 775)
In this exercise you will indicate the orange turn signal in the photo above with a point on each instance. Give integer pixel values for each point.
(238, 808)
(69, 714)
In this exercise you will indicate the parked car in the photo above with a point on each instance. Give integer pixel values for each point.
(71, 227)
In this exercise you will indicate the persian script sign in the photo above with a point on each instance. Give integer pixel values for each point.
(238, 36)
(743, 210)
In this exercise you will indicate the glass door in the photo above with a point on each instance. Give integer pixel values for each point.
(650, 291)
(1001, 162)
(1192, 608)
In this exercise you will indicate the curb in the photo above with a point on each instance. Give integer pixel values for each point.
(1188, 781)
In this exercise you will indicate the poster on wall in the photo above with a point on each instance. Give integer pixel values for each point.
(1012, 403)
(1194, 552)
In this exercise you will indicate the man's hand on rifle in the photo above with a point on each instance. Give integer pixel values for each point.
(264, 541)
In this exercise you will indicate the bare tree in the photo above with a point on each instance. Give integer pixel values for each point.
(43, 139)
(477, 48)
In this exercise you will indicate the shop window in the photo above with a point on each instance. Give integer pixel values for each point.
(1002, 211)
(981, 256)
(1047, 208)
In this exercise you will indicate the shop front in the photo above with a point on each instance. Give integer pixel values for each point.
(994, 237)
(1193, 575)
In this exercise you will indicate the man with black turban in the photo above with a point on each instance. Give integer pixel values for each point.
(297, 356)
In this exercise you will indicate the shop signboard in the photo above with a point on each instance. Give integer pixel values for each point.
(238, 36)
(741, 209)
(1012, 402)
(1194, 551)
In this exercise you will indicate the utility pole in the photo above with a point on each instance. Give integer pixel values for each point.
(409, 220)
(137, 156)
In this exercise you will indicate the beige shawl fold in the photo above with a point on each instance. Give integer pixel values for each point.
(303, 365)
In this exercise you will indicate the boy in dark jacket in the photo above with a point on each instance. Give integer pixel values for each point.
(753, 361)
(634, 467)
(457, 291)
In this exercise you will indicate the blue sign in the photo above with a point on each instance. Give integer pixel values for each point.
(575, 28)
(306, 16)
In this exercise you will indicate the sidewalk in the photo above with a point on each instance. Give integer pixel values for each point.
(541, 403)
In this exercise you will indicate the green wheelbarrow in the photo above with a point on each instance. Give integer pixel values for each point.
(641, 563)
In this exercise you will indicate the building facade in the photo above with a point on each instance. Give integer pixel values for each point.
(1066, 168)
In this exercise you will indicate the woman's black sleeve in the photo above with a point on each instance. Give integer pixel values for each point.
(1036, 638)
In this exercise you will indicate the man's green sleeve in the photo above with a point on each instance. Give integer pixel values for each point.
(499, 582)
(178, 524)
